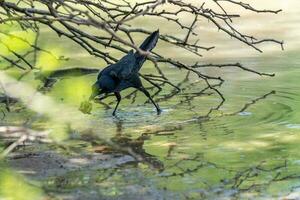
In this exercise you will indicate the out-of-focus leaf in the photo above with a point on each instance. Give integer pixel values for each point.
(48, 62)
(86, 107)
(18, 40)
(13, 187)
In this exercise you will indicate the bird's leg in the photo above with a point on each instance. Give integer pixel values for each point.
(158, 110)
(118, 96)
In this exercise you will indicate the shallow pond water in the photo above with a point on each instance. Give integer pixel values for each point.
(246, 149)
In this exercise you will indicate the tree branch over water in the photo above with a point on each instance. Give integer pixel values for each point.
(115, 22)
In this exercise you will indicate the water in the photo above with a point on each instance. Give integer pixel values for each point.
(248, 148)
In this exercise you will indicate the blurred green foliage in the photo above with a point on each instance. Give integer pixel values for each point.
(12, 38)
(14, 187)
(47, 62)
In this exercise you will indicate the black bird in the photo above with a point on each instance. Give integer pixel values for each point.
(124, 74)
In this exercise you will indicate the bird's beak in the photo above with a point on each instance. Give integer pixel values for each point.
(101, 95)
(93, 95)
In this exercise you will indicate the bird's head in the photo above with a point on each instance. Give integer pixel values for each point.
(104, 85)
(96, 91)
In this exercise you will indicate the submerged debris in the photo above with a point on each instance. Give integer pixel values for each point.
(86, 107)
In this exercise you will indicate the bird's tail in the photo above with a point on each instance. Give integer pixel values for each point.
(147, 45)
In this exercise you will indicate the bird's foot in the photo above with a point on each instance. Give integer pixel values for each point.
(158, 111)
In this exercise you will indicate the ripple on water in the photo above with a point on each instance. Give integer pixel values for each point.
(133, 116)
(293, 126)
(245, 113)
(279, 110)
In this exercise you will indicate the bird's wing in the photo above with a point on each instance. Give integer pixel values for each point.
(123, 69)
(125, 66)
(133, 81)
(110, 70)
